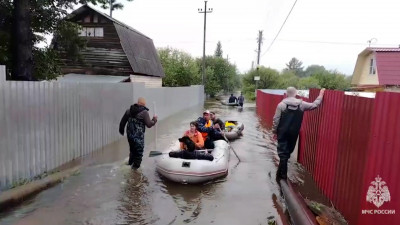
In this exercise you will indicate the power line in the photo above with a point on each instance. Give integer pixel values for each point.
(323, 42)
(252, 39)
(283, 24)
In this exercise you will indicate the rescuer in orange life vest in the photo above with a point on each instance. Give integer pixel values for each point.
(287, 123)
(205, 126)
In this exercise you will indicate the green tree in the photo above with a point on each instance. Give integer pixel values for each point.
(224, 74)
(114, 5)
(179, 67)
(288, 79)
(269, 79)
(332, 80)
(21, 40)
(272, 79)
(5, 33)
(23, 24)
(182, 70)
(218, 50)
(295, 66)
(308, 82)
(67, 40)
(212, 86)
(314, 69)
(46, 65)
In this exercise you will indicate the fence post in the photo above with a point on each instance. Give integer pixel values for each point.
(2, 73)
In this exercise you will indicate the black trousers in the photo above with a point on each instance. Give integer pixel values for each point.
(286, 145)
(209, 143)
(135, 153)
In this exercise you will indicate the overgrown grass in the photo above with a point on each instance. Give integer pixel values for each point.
(24, 181)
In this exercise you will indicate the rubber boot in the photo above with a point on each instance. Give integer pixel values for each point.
(281, 173)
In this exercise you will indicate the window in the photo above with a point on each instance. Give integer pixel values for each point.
(98, 31)
(86, 19)
(372, 69)
(92, 32)
(95, 19)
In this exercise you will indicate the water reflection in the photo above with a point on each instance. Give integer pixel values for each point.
(188, 197)
(133, 198)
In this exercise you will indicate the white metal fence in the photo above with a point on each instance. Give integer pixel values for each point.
(46, 124)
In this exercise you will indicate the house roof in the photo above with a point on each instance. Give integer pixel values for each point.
(385, 49)
(387, 64)
(141, 53)
(139, 48)
(85, 7)
(83, 78)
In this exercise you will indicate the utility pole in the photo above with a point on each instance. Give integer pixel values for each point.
(205, 11)
(227, 80)
(258, 58)
(259, 46)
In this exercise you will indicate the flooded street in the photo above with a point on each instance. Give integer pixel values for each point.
(108, 192)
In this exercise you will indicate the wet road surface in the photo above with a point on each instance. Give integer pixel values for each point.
(108, 192)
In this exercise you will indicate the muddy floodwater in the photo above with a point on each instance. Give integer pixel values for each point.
(108, 192)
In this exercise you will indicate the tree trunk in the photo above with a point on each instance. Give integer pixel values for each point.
(22, 41)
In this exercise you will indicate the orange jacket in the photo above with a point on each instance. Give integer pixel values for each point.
(197, 138)
(205, 134)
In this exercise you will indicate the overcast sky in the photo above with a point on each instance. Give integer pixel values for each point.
(328, 33)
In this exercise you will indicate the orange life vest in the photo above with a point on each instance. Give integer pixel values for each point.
(204, 134)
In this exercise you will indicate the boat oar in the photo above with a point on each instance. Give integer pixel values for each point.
(226, 139)
(156, 153)
(154, 108)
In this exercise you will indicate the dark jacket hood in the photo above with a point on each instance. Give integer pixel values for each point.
(136, 109)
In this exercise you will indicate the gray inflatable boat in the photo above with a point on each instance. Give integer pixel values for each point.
(233, 129)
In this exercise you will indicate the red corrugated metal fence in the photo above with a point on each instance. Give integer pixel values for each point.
(345, 145)
(383, 162)
(266, 106)
(351, 155)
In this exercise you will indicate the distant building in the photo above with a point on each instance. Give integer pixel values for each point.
(113, 48)
(377, 69)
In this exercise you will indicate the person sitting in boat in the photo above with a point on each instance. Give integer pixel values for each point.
(229, 125)
(216, 120)
(232, 99)
(194, 135)
(205, 126)
(190, 153)
(216, 134)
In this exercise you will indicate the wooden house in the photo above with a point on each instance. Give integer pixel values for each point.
(113, 48)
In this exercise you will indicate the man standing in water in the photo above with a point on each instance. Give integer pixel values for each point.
(287, 123)
(137, 117)
(241, 100)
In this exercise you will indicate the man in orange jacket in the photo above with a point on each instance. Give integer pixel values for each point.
(205, 126)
